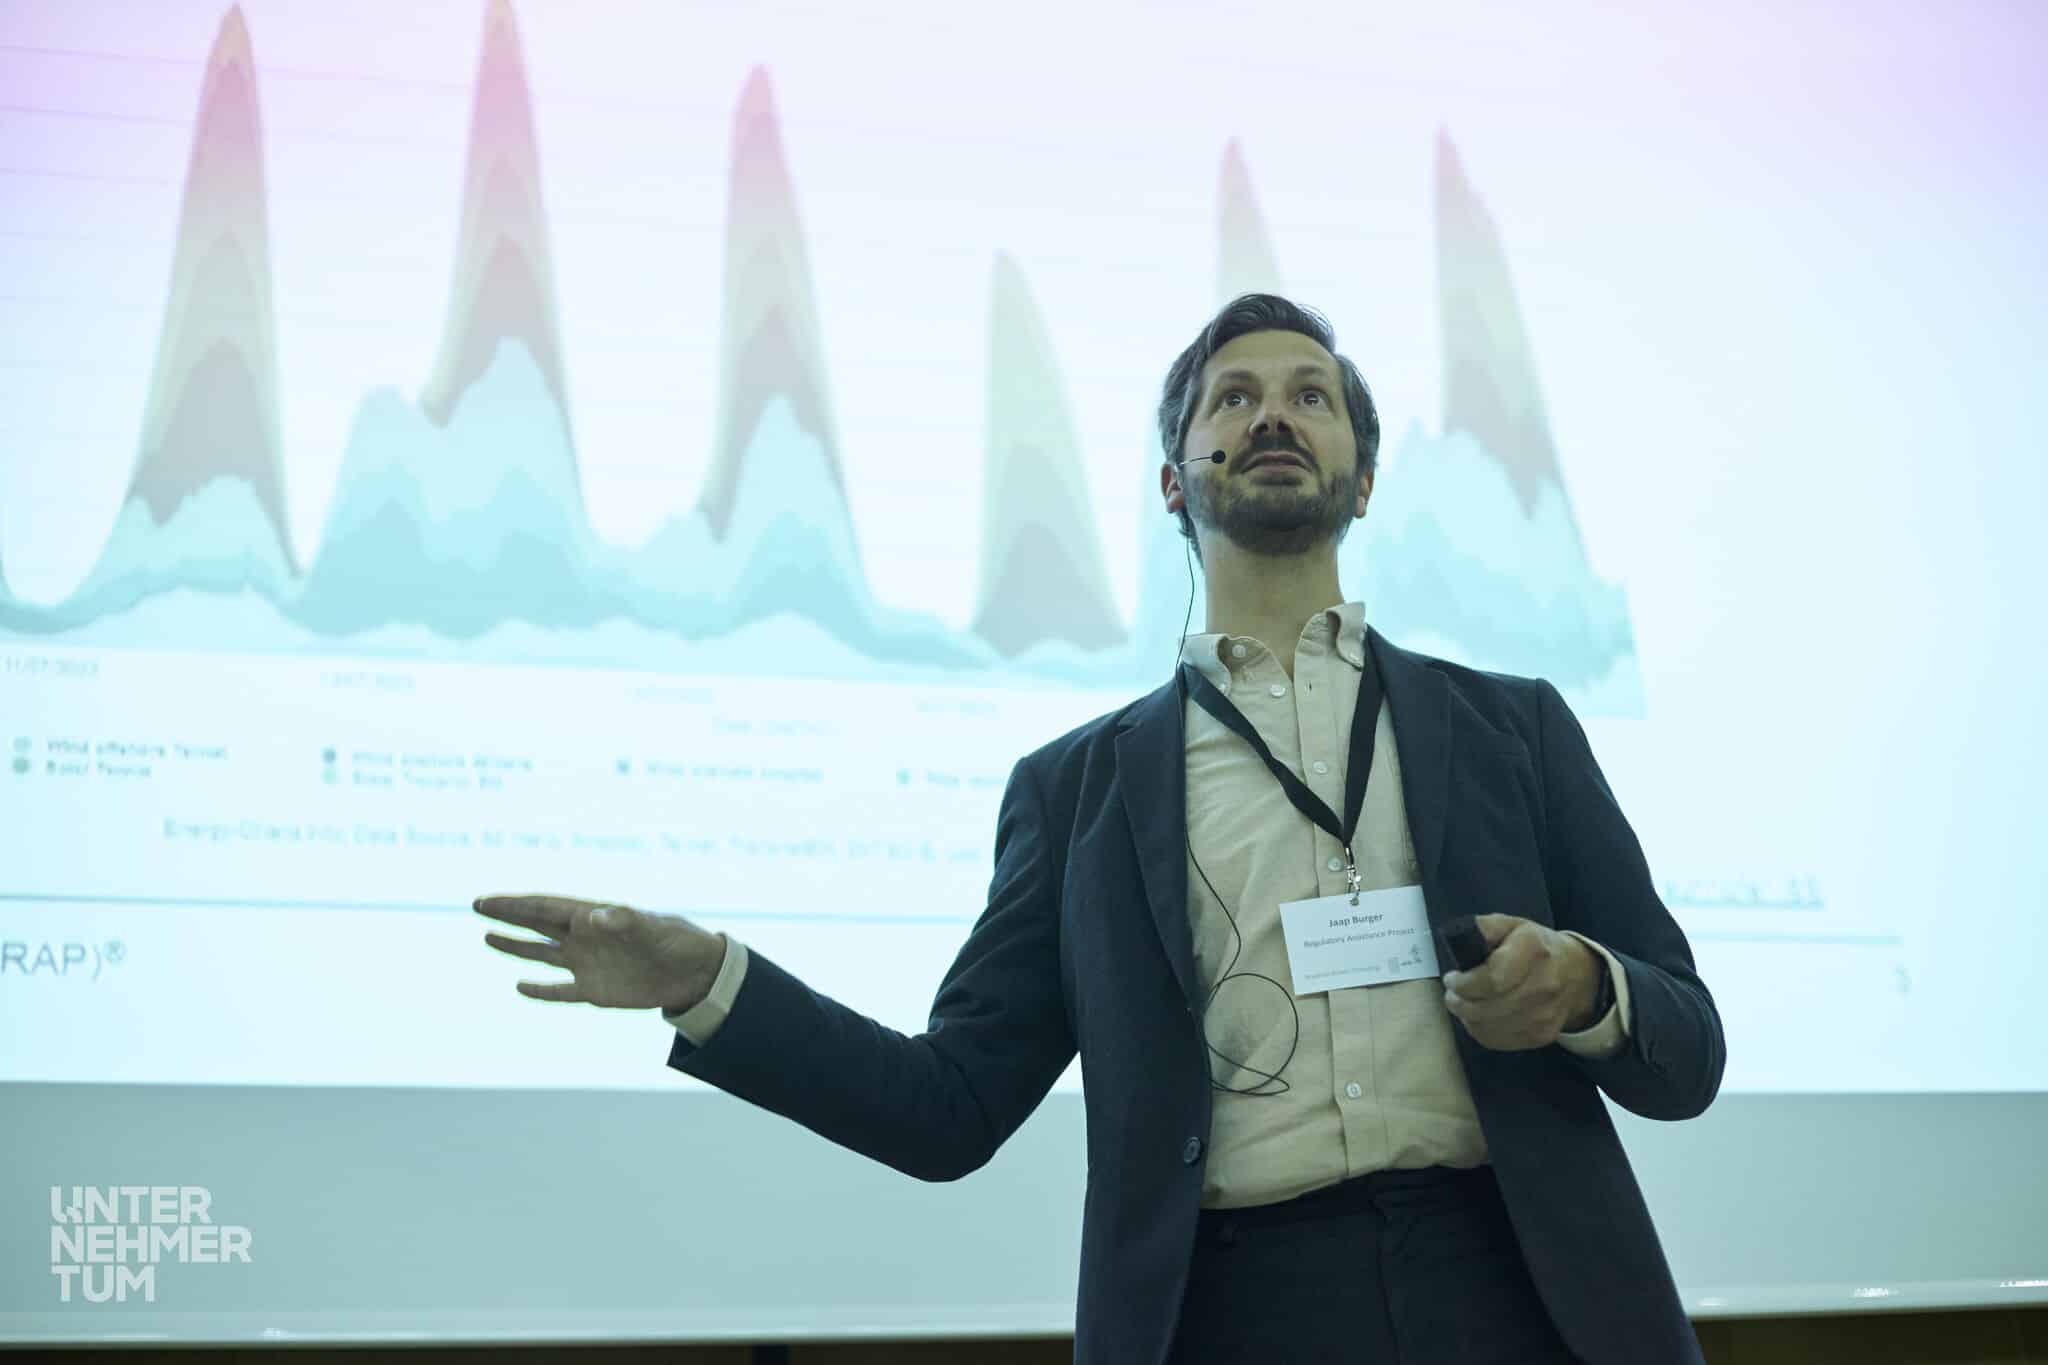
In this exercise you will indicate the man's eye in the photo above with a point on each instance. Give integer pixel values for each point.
(1316, 394)
(1229, 398)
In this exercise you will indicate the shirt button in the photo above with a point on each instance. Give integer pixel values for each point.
(1352, 1091)
(1238, 651)
(1320, 766)
(1191, 1151)
(1224, 686)
(1278, 689)
(1335, 864)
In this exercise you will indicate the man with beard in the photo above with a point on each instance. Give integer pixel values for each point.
(1309, 1138)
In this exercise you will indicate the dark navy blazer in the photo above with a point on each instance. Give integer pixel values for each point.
(1085, 946)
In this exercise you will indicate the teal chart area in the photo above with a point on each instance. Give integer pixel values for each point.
(456, 529)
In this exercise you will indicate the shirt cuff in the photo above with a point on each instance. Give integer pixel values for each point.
(698, 1023)
(1610, 1033)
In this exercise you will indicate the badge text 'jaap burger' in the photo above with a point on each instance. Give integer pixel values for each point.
(106, 1241)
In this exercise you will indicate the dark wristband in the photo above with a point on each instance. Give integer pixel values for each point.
(1603, 999)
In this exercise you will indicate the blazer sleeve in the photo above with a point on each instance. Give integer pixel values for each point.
(1600, 886)
(936, 1105)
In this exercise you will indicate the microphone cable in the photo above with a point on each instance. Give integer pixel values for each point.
(1274, 1079)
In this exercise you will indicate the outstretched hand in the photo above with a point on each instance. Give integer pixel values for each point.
(1535, 984)
(617, 957)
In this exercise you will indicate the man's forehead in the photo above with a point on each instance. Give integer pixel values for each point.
(1274, 352)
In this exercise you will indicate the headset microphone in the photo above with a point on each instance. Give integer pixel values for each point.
(1213, 457)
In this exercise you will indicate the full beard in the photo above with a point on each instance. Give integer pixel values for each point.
(1273, 520)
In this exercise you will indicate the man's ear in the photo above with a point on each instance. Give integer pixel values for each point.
(1364, 496)
(1170, 489)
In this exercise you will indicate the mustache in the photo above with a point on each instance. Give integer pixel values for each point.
(1272, 443)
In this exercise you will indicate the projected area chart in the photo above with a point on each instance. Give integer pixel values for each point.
(456, 526)
(302, 662)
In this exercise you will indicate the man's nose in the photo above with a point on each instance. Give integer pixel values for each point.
(1269, 419)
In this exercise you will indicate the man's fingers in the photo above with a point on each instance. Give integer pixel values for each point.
(1509, 1008)
(1497, 927)
(551, 915)
(1481, 1013)
(567, 992)
(550, 953)
(1506, 967)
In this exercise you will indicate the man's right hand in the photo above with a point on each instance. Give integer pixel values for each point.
(617, 957)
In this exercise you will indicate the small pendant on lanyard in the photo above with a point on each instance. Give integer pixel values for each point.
(1351, 875)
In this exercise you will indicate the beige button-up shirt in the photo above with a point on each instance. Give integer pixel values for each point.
(1374, 1081)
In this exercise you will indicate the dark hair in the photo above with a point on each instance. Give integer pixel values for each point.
(1260, 313)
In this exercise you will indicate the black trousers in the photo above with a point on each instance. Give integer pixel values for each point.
(1392, 1268)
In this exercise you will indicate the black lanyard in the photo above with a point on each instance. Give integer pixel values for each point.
(1365, 719)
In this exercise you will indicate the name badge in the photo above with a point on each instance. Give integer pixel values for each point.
(1333, 944)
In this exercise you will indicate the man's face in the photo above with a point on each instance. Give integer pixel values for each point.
(1273, 403)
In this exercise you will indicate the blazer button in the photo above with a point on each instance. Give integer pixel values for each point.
(1191, 1151)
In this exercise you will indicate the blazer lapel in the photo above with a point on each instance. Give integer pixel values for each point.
(1420, 699)
(1151, 758)
(1151, 764)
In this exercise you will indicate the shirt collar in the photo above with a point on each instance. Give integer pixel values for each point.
(1208, 652)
